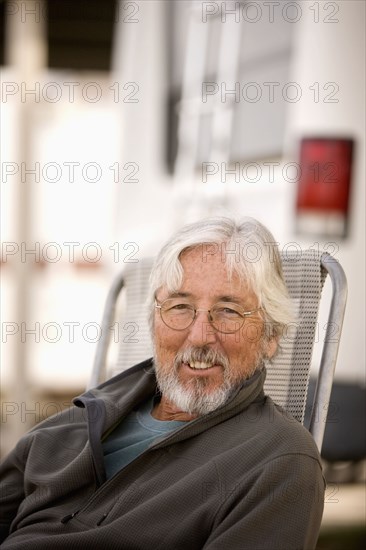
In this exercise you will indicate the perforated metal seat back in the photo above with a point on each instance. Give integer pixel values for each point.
(135, 343)
(288, 374)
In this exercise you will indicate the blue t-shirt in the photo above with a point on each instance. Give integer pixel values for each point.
(133, 435)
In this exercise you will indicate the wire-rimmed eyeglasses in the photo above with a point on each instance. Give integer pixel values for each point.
(225, 317)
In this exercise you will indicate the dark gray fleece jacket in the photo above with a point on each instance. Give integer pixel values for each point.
(245, 476)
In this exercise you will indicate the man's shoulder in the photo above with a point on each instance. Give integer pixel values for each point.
(281, 430)
(266, 427)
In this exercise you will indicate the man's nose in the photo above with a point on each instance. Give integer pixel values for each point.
(201, 331)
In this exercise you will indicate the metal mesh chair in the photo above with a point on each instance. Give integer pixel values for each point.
(288, 374)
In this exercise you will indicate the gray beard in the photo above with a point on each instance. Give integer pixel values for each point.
(194, 397)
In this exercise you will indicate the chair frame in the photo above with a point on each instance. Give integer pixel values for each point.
(329, 355)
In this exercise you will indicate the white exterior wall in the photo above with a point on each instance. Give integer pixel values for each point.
(335, 52)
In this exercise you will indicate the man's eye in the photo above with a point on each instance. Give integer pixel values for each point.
(228, 311)
(179, 307)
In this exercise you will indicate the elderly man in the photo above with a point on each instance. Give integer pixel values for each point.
(183, 451)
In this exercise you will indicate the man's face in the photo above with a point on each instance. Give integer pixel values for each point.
(227, 359)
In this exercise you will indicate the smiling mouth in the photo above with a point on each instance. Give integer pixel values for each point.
(200, 365)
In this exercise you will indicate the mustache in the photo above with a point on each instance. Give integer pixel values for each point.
(203, 355)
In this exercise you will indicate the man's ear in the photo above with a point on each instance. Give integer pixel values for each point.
(271, 347)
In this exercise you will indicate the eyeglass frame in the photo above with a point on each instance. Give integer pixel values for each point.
(244, 315)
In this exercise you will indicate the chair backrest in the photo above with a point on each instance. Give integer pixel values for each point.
(288, 374)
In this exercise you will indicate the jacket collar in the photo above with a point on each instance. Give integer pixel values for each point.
(111, 401)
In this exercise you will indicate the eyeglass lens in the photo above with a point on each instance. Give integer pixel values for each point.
(224, 316)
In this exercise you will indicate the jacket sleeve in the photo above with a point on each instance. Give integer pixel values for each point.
(281, 509)
(11, 486)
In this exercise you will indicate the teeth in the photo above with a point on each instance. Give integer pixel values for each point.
(199, 365)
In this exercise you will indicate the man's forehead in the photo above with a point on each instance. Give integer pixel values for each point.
(209, 259)
(204, 271)
(204, 252)
(234, 297)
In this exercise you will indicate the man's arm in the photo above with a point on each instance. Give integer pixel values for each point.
(281, 511)
(11, 486)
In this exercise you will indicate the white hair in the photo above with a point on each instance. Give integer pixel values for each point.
(247, 247)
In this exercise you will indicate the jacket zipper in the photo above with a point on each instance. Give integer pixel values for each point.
(92, 497)
(67, 518)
